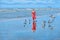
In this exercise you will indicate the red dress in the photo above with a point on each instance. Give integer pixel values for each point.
(33, 15)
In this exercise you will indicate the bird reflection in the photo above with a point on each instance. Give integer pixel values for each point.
(29, 21)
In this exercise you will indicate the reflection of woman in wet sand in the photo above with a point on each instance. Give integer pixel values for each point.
(34, 26)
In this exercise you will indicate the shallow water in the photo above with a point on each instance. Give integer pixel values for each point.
(29, 3)
(12, 26)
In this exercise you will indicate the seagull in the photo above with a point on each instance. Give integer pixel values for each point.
(52, 16)
(43, 24)
(25, 22)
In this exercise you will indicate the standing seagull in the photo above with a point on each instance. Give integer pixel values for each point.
(51, 21)
(52, 18)
(25, 22)
(43, 24)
